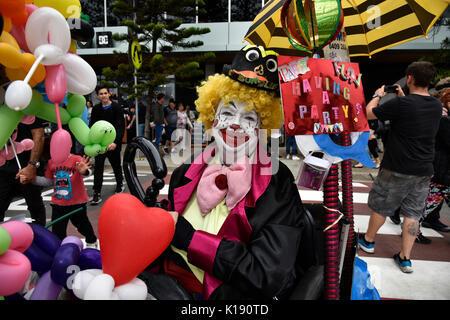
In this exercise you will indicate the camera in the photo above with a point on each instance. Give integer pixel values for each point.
(390, 89)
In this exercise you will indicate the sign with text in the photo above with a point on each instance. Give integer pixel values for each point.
(321, 96)
(104, 39)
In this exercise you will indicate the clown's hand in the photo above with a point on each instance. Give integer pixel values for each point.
(183, 234)
(93, 284)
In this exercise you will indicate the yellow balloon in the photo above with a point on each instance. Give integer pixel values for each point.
(7, 38)
(10, 57)
(68, 8)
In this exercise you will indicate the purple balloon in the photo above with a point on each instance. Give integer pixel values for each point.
(66, 256)
(45, 239)
(74, 240)
(40, 260)
(90, 259)
(46, 289)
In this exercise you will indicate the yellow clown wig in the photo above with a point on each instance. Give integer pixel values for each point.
(220, 87)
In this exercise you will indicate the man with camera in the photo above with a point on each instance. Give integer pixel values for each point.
(407, 165)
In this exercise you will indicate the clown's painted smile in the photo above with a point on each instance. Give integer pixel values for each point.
(234, 138)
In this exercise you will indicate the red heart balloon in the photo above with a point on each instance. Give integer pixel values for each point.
(131, 236)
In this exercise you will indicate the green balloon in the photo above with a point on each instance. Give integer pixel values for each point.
(80, 130)
(75, 106)
(99, 130)
(109, 137)
(45, 110)
(9, 119)
(92, 150)
(5, 240)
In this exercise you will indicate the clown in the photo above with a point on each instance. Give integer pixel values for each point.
(239, 214)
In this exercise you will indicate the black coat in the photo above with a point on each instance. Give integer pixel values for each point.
(442, 153)
(265, 262)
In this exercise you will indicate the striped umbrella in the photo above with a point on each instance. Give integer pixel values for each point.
(371, 25)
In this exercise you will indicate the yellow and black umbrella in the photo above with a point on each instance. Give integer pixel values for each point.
(370, 25)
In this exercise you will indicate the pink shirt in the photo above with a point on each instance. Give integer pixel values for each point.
(68, 183)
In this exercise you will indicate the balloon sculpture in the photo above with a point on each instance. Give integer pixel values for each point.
(311, 25)
(131, 237)
(15, 148)
(56, 262)
(44, 36)
(15, 268)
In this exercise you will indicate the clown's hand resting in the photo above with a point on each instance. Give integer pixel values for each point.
(183, 234)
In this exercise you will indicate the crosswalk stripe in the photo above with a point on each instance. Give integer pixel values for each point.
(430, 279)
(362, 222)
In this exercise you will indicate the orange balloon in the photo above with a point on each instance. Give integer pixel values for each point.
(7, 24)
(131, 236)
(39, 73)
(15, 9)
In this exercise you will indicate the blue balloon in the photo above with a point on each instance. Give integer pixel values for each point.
(66, 256)
(40, 260)
(357, 151)
(90, 259)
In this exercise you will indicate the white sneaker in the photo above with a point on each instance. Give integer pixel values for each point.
(93, 245)
(288, 156)
(295, 158)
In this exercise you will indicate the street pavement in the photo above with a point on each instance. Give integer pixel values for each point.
(429, 281)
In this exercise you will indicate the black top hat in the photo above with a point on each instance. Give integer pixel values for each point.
(256, 67)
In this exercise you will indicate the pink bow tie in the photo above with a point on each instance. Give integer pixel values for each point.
(218, 182)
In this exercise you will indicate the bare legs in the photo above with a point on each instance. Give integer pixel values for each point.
(409, 231)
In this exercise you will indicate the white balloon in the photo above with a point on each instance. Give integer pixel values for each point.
(47, 25)
(18, 95)
(82, 281)
(81, 78)
(101, 288)
(136, 289)
(52, 54)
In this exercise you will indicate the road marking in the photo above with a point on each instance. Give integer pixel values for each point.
(430, 279)
(362, 222)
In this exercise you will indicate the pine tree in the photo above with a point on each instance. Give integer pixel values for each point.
(156, 24)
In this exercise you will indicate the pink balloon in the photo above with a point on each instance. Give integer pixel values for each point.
(10, 154)
(18, 32)
(15, 269)
(60, 145)
(31, 8)
(21, 235)
(28, 144)
(19, 147)
(55, 83)
(2, 157)
(27, 119)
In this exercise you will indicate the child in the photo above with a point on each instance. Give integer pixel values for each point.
(70, 194)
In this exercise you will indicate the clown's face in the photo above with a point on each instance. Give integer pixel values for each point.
(235, 131)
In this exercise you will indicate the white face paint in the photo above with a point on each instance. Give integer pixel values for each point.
(235, 131)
